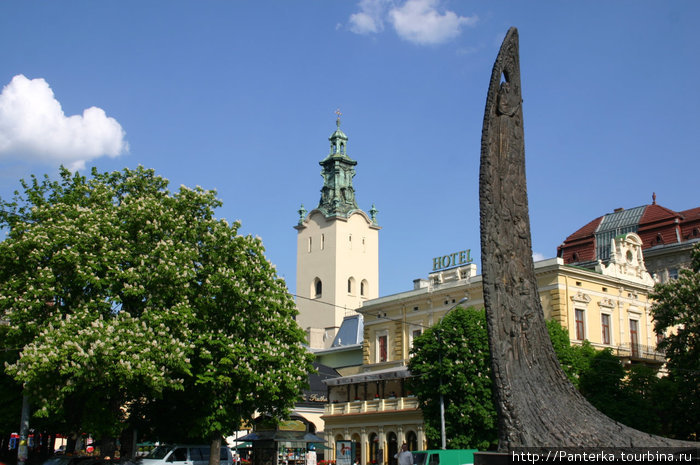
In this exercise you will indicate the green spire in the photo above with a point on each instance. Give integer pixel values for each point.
(373, 214)
(302, 214)
(337, 194)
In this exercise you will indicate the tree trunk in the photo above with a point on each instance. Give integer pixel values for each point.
(70, 443)
(215, 449)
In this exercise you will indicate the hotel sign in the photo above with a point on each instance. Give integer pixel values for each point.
(463, 257)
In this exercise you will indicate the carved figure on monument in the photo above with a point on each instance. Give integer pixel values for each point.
(537, 405)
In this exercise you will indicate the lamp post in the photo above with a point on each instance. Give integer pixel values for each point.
(443, 439)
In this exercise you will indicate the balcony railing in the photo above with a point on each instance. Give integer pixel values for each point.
(391, 404)
(640, 352)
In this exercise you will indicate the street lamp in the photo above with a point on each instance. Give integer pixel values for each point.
(443, 439)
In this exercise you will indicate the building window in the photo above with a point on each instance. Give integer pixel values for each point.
(580, 326)
(673, 273)
(415, 332)
(605, 324)
(382, 347)
(412, 440)
(351, 286)
(323, 241)
(309, 245)
(364, 287)
(634, 337)
(318, 288)
(374, 449)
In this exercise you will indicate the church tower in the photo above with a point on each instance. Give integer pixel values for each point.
(337, 250)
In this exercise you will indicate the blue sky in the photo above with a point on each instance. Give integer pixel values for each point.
(239, 96)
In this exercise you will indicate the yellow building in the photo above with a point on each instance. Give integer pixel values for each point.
(607, 306)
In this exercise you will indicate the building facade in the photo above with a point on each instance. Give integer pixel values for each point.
(607, 306)
(666, 236)
(337, 250)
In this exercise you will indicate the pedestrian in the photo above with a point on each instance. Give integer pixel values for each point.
(405, 456)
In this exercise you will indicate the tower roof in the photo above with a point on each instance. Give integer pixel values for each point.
(338, 134)
(337, 193)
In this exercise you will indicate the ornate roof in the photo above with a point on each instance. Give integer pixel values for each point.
(337, 193)
(656, 225)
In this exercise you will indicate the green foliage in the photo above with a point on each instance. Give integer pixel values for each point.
(644, 397)
(676, 315)
(10, 390)
(573, 359)
(120, 293)
(601, 384)
(625, 395)
(456, 351)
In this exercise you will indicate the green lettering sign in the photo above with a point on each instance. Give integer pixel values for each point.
(463, 257)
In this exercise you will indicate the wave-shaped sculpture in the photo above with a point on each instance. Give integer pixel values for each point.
(537, 405)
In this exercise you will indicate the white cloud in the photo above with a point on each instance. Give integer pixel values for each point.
(537, 257)
(34, 127)
(419, 21)
(370, 18)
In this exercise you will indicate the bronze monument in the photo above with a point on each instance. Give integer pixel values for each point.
(537, 406)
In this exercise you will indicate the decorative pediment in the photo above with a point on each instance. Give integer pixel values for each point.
(606, 303)
(634, 310)
(581, 298)
(627, 260)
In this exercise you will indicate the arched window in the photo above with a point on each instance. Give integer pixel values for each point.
(357, 445)
(374, 449)
(392, 447)
(317, 290)
(351, 285)
(412, 440)
(364, 288)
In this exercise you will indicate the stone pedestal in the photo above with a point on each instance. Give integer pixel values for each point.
(491, 458)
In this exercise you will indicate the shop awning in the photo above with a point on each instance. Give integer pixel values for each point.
(298, 436)
(378, 375)
(320, 445)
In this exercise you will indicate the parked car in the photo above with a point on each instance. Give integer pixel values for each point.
(183, 454)
(69, 460)
(80, 460)
(444, 457)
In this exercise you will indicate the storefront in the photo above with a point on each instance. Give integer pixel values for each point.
(289, 442)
